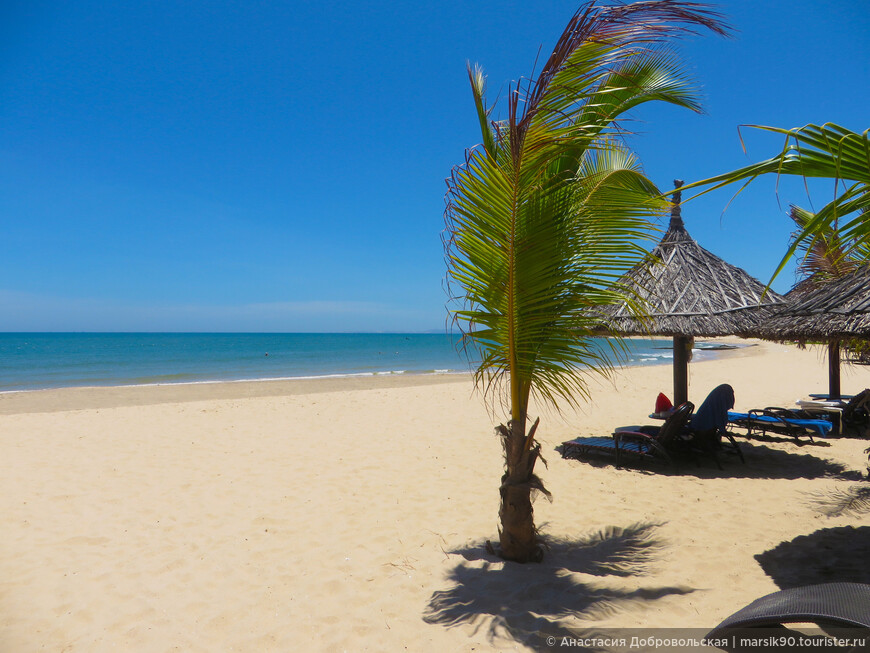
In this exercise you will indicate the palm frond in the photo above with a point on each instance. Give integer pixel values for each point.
(813, 151)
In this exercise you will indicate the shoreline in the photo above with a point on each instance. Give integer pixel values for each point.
(118, 396)
(147, 394)
(265, 379)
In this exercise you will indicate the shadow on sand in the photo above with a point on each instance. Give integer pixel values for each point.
(829, 555)
(761, 462)
(852, 501)
(524, 603)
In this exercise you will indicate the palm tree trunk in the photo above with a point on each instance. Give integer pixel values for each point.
(518, 537)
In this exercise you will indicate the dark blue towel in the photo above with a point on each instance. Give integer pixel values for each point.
(713, 413)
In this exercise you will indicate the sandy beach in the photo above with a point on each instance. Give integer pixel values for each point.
(350, 515)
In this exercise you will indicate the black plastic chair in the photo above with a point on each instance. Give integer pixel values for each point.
(842, 609)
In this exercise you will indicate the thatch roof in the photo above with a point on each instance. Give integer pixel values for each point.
(689, 291)
(838, 309)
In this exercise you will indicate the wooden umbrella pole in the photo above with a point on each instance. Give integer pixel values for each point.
(681, 369)
(834, 369)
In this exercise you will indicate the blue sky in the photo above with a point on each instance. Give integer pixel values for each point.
(267, 166)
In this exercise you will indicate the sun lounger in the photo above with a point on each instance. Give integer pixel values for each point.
(830, 605)
(647, 442)
(831, 411)
(850, 414)
(780, 420)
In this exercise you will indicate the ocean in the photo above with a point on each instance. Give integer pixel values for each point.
(30, 361)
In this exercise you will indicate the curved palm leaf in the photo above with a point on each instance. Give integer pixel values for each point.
(827, 151)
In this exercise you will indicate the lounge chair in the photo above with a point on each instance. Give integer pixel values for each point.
(793, 423)
(830, 605)
(831, 410)
(647, 442)
(850, 414)
(708, 424)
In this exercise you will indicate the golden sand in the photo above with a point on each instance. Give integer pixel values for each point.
(332, 515)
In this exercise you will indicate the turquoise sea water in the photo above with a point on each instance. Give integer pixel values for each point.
(52, 360)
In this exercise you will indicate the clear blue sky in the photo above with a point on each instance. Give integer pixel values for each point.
(268, 166)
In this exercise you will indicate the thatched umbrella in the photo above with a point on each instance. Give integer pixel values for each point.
(833, 311)
(687, 292)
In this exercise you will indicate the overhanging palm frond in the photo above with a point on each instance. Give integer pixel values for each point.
(828, 151)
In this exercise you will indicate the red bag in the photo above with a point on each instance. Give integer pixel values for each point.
(663, 404)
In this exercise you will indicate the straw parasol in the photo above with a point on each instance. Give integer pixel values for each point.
(833, 311)
(687, 292)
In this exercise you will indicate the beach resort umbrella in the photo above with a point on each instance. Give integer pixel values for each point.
(832, 312)
(687, 292)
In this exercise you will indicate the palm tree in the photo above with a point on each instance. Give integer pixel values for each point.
(828, 151)
(545, 216)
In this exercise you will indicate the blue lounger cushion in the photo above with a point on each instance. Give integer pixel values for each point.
(820, 426)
